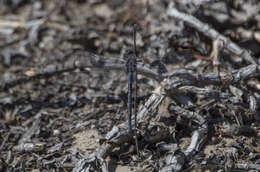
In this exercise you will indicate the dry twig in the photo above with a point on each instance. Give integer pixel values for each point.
(86, 60)
(211, 33)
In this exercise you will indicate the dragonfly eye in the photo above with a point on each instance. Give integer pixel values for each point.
(128, 52)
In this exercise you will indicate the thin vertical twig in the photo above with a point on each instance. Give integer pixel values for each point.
(135, 76)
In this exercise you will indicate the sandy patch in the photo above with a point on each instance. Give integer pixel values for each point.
(87, 141)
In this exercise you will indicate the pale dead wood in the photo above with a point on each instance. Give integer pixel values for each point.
(87, 60)
(211, 33)
(119, 134)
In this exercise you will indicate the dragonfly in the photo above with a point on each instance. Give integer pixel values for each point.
(131, 70)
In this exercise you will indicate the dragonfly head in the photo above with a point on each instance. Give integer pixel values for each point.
(128, 53)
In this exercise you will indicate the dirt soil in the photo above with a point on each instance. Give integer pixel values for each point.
(49, 121)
